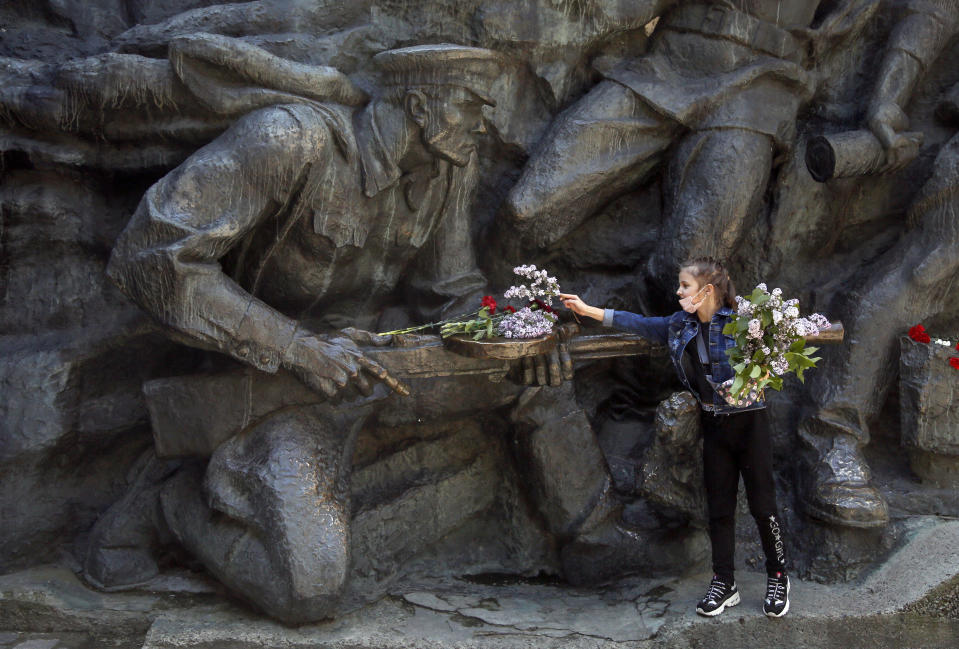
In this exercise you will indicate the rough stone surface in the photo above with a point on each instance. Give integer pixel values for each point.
(929, 410)
(887, 610)
(99, 100)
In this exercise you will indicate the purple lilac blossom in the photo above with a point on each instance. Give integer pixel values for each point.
(526, 323)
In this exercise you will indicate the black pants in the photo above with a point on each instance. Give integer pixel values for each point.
(733, 445)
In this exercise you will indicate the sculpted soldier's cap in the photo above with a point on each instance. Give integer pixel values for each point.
(473, 68)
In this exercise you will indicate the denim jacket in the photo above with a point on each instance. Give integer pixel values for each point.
(676, 331)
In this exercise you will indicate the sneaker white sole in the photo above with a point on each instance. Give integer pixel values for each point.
(732, 601)
(786, 609)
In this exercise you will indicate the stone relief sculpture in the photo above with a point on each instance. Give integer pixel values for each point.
(910, 283)
(723, 82)
(323, 216)
(301, 205)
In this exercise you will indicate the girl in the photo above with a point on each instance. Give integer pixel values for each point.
(735, 439)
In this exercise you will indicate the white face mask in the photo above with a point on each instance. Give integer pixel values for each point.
(688, 304)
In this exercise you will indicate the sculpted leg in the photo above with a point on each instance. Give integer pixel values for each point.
(911, 283)
(270, 518)
(595, 150)
(570, 485)
(713, 192)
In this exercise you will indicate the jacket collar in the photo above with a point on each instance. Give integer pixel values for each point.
(722, 311)
(380, 168)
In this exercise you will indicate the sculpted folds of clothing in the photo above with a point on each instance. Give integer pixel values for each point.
(709, 80)
(315, 220)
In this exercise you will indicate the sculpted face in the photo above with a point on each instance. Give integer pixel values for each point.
(450, 119)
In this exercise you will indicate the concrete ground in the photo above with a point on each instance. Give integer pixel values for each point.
(910, 602)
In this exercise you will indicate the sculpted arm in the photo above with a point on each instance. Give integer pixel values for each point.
(914, 45)
(167, 259)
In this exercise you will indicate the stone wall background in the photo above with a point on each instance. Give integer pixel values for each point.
(74, 352)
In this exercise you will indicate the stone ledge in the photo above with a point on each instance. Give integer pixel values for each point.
(464, 615)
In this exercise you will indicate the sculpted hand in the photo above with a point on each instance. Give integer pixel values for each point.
(553, 367)
(888, 122)
(329, 364)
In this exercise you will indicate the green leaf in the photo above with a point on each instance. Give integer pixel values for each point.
(730, 327)
(739, 368)
(765, 319)
(797, 345)
(742, 325)
(761, 300)
(758, 356)
(755, 372)
(737, 385)
(478, 335)
(756, 294)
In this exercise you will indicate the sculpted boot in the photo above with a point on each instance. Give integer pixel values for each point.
(125, 540)
(838, 488)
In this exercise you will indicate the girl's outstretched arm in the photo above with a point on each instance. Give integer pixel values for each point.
(577, 306)
(655, 329)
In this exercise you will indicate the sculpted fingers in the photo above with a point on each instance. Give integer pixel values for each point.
(541, 370)
(381, 374)
(566, 363)
(529, 372)
(555, 369)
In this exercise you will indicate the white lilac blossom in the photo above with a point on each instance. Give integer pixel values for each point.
(526, 323)
(541, 285)
(767, 328)
(780, 366)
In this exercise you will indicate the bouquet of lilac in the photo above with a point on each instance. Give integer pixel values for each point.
(770, 343)
(537, 318)
(531, 321)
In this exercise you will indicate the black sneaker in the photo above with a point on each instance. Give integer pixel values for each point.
(718, 597)
(776, 603)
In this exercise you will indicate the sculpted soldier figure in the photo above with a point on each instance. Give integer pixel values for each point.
(911, 282)
(723, 81)
(300, 218)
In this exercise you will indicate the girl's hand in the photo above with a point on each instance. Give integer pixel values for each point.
(577, 306)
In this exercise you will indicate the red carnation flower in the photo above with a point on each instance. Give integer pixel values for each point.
(489, 302)
(918, 333)
(954, 361)
(545, 307)
(509, 308)
(957, 346)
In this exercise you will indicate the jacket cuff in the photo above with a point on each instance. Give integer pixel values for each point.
(608, 317)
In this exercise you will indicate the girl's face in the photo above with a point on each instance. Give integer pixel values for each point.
(687, 285)
(695, 296)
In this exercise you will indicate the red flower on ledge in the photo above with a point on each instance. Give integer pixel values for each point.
(918, 333)
(542, 305)
(509, 308)
(490, 302)
(954, 361)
